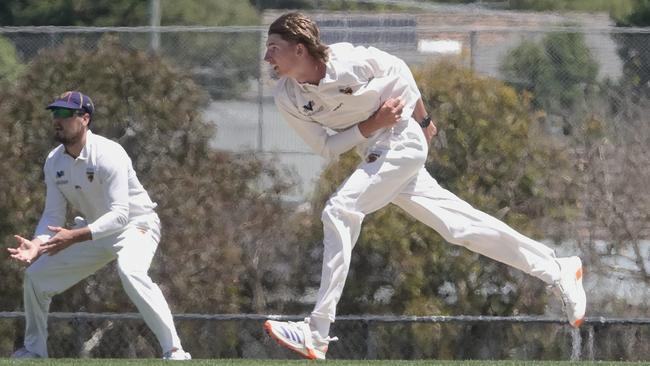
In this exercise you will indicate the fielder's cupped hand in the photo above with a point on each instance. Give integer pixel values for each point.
(62, 239)
(26, 251)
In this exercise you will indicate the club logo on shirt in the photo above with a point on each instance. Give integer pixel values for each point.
(310, 109)
(60, 174)
(372, 157)
(90, 174)
(309, 106)
(346, 90)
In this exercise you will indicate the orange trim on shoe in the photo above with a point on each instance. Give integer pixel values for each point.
(310, 355)
(578, 323)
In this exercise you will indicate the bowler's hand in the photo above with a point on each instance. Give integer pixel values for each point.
(63, 238)
(386, 116)
(390, 112)
(26, 251)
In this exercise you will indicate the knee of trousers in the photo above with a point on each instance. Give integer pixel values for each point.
(338, 217)
(341, 228)
(130, 277)
(337, 210)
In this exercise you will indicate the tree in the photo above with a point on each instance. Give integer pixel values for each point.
(634, 51)
(10, 66)
(611, 226)
(560, 74)
(637, 16)
(220, 61)
(125, 13)
(218, 209)
(607, 220)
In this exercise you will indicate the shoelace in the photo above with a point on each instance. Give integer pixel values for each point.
(326, 339)
(306, 330)
(562, 292)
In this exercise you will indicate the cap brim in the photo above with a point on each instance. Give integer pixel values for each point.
(62, 104)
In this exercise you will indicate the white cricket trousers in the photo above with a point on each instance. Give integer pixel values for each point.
(133, 248)
(398, 176)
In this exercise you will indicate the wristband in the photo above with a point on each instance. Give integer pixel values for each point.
(425, 122)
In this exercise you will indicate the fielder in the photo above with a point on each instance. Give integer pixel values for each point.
(371, 101)
(96, 177)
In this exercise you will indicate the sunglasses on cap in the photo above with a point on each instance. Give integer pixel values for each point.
(67, 113)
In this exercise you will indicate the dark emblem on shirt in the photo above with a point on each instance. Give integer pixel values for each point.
(347, 90)
(372, 157)
(90, 174)
(309, 106)
(60, 173)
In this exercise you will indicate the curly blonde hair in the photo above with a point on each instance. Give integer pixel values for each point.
(297, 27)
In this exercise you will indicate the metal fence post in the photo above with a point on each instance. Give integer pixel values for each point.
(472, 50)
(576, 344)
(590, 343)
(154, 8)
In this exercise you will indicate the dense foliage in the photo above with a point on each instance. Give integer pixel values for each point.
(560, 73)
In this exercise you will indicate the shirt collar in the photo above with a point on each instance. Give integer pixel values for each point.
(85, 152)
(330, 73)
(330, 76)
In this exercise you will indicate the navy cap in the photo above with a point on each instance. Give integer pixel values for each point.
(73, 100)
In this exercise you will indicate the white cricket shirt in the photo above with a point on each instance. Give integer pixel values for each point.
(100, 183)
(357, 81)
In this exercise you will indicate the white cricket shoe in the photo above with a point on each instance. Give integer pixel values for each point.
(177, 355)
(569, 288)
(79, 222)
(24, 353)
(299, 338)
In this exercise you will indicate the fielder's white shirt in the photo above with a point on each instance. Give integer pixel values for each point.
(357, 81)
(100, 183)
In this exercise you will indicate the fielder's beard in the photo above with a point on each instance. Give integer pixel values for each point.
(67, 140)
(62, 139)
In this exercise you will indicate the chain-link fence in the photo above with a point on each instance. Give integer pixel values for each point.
(226, 61)
(570, 72)
(362, 337)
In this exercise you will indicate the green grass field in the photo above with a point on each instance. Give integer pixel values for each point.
(248, 362)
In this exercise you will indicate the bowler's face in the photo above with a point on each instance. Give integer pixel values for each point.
(281, 55)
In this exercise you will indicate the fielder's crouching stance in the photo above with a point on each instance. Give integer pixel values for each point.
(95, 175)
(370, 99)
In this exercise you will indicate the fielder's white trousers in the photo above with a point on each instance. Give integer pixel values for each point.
(133, 248)
(398, 176)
